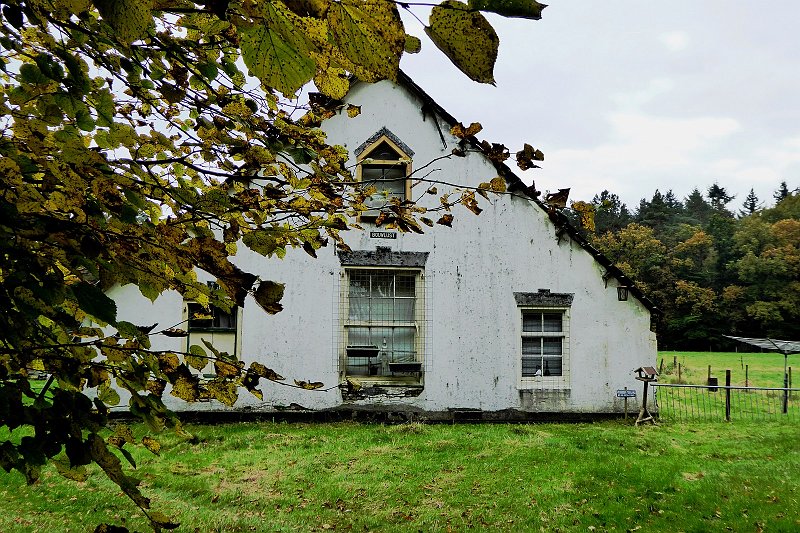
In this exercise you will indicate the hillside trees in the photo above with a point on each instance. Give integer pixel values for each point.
(710, 273)
(132, 133)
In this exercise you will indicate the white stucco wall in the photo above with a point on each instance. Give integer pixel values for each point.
(472, 355)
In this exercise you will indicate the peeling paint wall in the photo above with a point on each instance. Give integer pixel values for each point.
(472, 355)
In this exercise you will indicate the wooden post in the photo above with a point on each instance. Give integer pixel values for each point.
(626, 403)
(727, 395)
(679, 372)
(746, 375)
(786, 393)
(709, 371)
(674, 362)
(661, 366)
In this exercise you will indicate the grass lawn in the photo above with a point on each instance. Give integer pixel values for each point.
(349, 477)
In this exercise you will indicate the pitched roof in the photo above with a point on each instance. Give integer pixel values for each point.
(518, 187)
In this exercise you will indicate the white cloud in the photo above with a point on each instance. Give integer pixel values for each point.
(643, 153)
(675, 41)
(636, 99)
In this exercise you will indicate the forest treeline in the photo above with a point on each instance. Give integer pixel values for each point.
(711, 270)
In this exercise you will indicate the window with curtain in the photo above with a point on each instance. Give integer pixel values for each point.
(543, 343)
(381, 326)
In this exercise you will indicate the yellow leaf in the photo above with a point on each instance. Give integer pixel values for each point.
(353, 110)
(369, 33)
(151, 444)
(332, 82)
(466, 37)
(309, 385)
(224, 391)
(498, 184)
(413, 44)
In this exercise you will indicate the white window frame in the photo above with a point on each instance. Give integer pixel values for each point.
(418, 323)
(546, 382)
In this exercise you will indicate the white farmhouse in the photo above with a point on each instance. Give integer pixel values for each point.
(506, 315)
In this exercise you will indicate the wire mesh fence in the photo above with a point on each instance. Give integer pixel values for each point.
(678, 402)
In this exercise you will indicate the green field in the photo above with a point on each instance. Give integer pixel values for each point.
(758, 369)
(570, 477)
(607, 476)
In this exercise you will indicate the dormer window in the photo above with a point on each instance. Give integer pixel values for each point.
(385, 166)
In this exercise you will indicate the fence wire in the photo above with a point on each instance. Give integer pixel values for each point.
(725, 403)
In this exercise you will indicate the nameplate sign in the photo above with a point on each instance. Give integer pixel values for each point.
(626, 393)
(382, 235)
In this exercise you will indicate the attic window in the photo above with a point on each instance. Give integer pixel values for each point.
(386, 167)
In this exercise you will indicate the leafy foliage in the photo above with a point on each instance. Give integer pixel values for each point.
(135, 150)
(709, 273)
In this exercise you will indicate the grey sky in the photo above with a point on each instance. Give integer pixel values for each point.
(632, 95)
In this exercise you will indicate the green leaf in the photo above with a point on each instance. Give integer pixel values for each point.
(94, 302)
(30, 73)
(162, 521)
(208, 70)
(277, 52)
(466, 37)
(526, 9)
(128, 18)
(108, 395)
(75, 473)
(370, 34)
(268, 294)
(84, 120)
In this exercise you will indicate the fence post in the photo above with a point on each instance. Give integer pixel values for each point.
(785, 393)
(674, 362)
(679, 372)
(727, 395)
(746, 375)
(709, 372)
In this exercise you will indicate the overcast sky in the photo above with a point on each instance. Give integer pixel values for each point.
(633, 96)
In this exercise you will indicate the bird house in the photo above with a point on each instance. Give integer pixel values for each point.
(646, 373)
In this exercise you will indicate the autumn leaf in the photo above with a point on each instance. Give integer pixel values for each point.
(174, 332)
(413, 45)
(151, 444)
(461, 132)
(265, 372)
(268, 295)
(527, 156)
(309, 385)
(446, 220)
(466, 37)
(370, 34)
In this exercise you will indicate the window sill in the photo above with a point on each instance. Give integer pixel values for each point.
(385, 381)
(543, 383)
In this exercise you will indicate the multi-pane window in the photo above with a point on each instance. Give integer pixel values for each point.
(213, 319)
(543, 338)
(218, 327)
(381, 328)
(385, 168)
